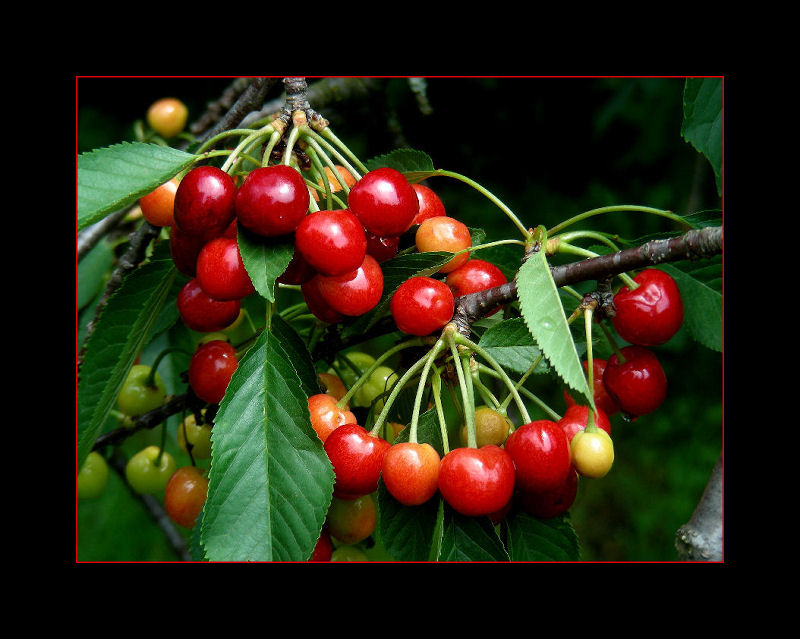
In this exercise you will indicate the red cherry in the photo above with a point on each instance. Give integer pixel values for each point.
(430, 205)
(638, 385)
(550, 503)
(541, 455)
(384, 202)
(184, 249)
(353, 293)
(158, 206)
(316, 303)
(332, 242)
(444, 234)
(202, 313)
(184, 495)
(272, 200)
(356, 457)
(221, 272)
(602, 399)
(323, 549)
(297, 271)
(411, 472)
(326, 416)
(473, 276)
(211, 369)
(381, 248)
(477, 481)
(204, 202)
(576, 417)
(422, 305)
(650, 314)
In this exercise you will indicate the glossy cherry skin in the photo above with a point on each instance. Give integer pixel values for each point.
(333, 385)
(211, 369)
(473, 276)
(316, 303)
(381, 248)
(298, 271)
(135, 396)
(550, 503)
(356, 457)
(576, 418)
(204, 202)
(430, 204)
(332, 242)
(650, 314)
(184, 249)
(158, 206)
(638, 385)
(477, 481)
(92, 476)
(384, 202)
(194, 438)
(144, 475)
(167, 116)
(411, 472)
(422, 305)
(323, 549)
(344, 175)
(491, 427)
(353, 293)
(602, 399)
(326, 416)
(272, 200)
(592, 453)
(444, 234)
(352, 520)
(185, 495)
(221, 272)
(540, 451)
(202, 313)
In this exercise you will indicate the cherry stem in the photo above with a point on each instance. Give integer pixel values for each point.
(150, 380)
(395, 392)
(245, 143)
(524, 391)
(588, 312)
(612, 342)
(423, 378)
(219, 136)
(520, 382)
(436, 387)
(290, 142)
(574, 235)
(157, 461)
(486, 395)
(325, 135)
(469, 407)
(334, 171)
(320, 170)
(615, 209)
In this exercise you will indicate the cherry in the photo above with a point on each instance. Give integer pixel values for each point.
(650, 314)
(92, 476)
(477, 481)
(381, 248)
(332, 242)
(352, 520)
(473, 276)
(356, 456)
(167, 116)
(638, 385)
(204, 202)
(602, 399)
(202, 313)
(540, 451)
(323, 549)
(195, 438)
(344, 175)
(411, 472)
(211, 369)
(491, 427)
(297, 271)
(221, 272)
(550, 503)
(318, 306)
(430, 205)
(326, 416)
(380, 381)
(158, 205)
(349, 553)
(272, 200)
(576, 417)
(444, 234)
(184, 495)
(592, 453)
(353, 293)
(137, 397)
(184, 249)
(422, 305)
(147, 477)
(384, 202)
(334, 386)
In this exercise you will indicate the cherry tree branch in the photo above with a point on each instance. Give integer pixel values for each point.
(701, 538)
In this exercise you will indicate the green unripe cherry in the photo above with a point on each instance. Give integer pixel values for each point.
(136, 397)
(93, 476)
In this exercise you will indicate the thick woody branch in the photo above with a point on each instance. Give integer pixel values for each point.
(701, 538)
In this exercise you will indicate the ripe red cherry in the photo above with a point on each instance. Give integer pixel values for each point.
(204, 202)
(430, 205)
(381, 248)
(202, 313)
(650, 314)
(323, 549)
(158, 206)
(576, 417)
(444, 234)
(332, 242)
(384, 202)
(473, 276)
(477, 481)
(272, 200)
(411, 472)
(353, 293)
(326, 416)
(550, 503)
(540, 451)
(602, 399)
(297, 271)
(316, 303)
(638, 385)
(356, 457)
(211, 369)
(221, 272)
(185, 495)
(422, 305)
(184, 249)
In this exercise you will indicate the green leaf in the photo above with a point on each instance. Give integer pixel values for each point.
(702, 120)
(407, 531)
(532, 539)
(93, 271)
(469, 539)
(265, 260)
(512, 345)
(124, 326)
(301, 358)
(271, 482)
(702, 304)
(116, 176)
(543, 312)
(403, 160)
